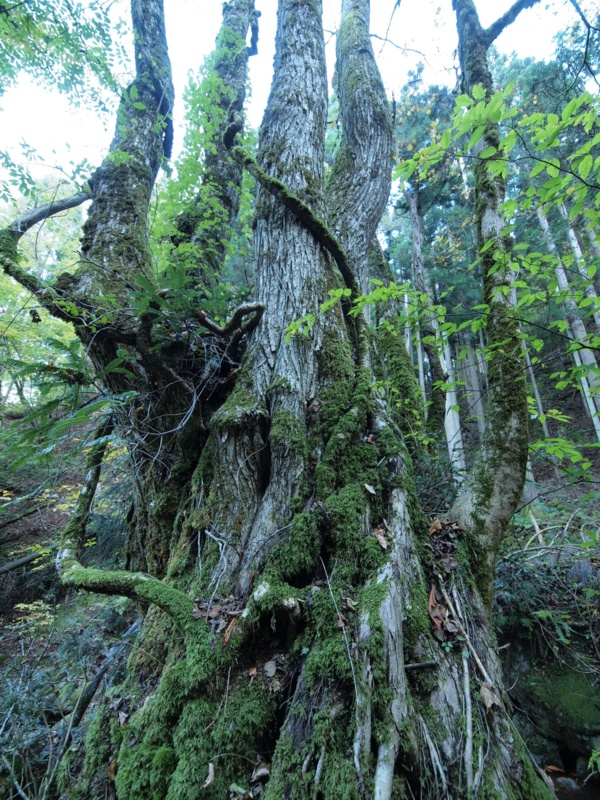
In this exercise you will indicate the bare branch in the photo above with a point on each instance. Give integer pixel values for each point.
(584, 19)
(496, 28)
(26, 221)
(236, 321)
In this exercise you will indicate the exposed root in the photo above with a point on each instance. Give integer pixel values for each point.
(469, 723)
(318, 772)
(435, 758)
(363, 708)
(463, 632)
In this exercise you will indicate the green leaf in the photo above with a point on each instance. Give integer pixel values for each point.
(585, 165)
(476, 136)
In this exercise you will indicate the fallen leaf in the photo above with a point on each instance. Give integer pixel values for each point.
(112, 769)
(252, 672)
(349, 604)
(342, 621)
(123, 717)
(436, 526)
(449, 563)
(270, 668)
(451, 626)
(211, 776)
(370, 489)
(261, 772)
(437, 611)
(488, 697)
(382, 540)
(229, 631)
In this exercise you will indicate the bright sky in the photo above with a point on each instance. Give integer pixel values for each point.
(44, 120)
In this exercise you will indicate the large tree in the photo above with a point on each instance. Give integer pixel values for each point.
(300, 636)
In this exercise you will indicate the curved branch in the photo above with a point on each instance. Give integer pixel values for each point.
(26, 221)
(48, 295)
(235, 323)
(303, 213)
(496, 28)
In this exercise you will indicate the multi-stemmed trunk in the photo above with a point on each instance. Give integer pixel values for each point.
(294, 583)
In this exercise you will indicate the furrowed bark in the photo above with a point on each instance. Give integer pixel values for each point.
(259, 431)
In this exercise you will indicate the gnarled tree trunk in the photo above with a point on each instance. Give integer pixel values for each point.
(294, 583)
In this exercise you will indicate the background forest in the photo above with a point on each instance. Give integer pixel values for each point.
(69, 403)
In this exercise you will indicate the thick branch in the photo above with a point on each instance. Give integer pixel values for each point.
(23, 560)
(303, 213)
(47, 295)
(26, 221)
(496, 28)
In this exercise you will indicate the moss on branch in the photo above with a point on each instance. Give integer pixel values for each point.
(303, 213)
(135, 585)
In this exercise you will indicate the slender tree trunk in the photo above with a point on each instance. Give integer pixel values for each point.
(577, 329)
(593, 240)
(420, 363)
(440, 350)
(489, 496)
(474, 391)
(588, 286)
(540, 407)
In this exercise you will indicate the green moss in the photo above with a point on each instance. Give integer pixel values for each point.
(405, 397)
(301, 551)
(102, 741)
(570, 694)
(527, 784)
(336, 366)
(241, 405)
(287, 433)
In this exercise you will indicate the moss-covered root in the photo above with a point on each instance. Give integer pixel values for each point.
(136, 585)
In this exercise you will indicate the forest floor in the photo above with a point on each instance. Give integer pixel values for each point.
(53, 642)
